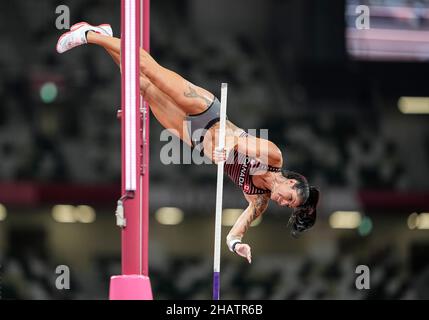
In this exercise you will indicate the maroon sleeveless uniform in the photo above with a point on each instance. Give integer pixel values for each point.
(240, 168)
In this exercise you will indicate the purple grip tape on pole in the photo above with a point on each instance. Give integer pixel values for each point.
(216, 286)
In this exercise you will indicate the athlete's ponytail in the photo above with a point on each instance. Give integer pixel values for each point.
(304, 216)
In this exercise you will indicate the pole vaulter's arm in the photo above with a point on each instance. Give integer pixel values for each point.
(262, 149)
(257, 206)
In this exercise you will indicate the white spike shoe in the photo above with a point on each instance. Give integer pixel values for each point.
(77, 35)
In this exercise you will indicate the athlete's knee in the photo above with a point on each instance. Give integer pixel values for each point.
(144, 85)
(147, 63)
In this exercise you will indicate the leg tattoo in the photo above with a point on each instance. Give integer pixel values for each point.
(193, 94)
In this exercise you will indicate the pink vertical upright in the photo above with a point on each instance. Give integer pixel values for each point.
(133, 207)
(145, 40)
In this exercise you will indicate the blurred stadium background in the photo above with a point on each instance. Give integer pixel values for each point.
(329, 94)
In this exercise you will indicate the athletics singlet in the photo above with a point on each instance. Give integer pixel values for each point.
(240, 168)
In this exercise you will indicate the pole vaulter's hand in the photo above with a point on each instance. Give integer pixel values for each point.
(219, 155)
(244, 250)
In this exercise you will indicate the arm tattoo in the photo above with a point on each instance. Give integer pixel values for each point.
(261, 204)
(255, 209)
(193, 94)
(259, 207)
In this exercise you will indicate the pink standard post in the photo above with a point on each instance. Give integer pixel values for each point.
(146, 112)
(133, 207)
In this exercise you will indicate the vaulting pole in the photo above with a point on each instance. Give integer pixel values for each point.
(219, 196)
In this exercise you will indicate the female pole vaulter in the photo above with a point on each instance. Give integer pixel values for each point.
(192, 113)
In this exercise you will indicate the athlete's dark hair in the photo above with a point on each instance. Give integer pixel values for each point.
(304, 216)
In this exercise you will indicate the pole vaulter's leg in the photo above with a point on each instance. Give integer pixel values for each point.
(133, 207)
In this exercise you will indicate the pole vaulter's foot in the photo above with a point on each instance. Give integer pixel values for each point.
(77, 35)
